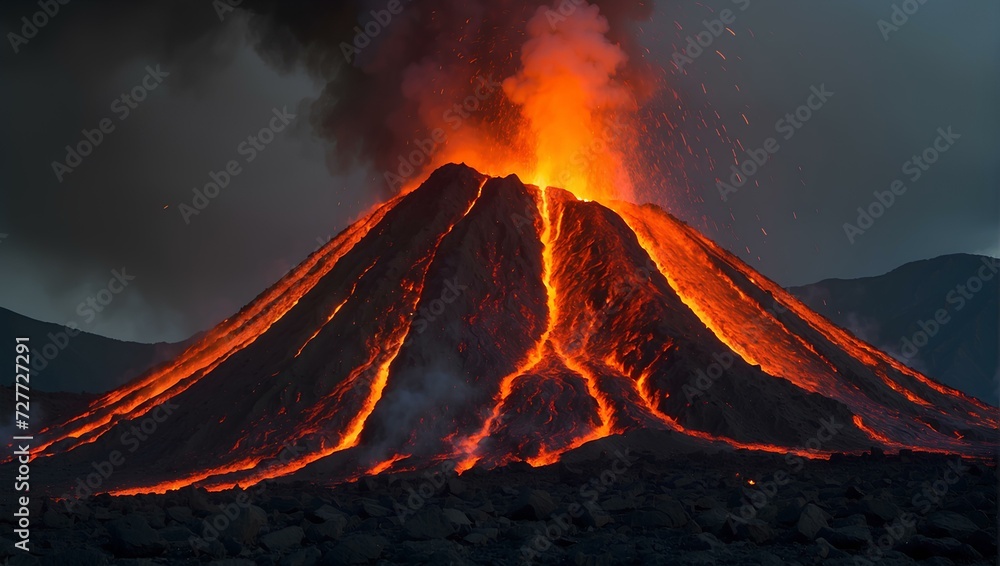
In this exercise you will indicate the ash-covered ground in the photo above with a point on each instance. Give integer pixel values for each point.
(622, 500)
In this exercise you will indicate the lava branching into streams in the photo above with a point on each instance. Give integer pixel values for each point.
(486, 320)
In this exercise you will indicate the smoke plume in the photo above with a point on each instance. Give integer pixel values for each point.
(409, 86)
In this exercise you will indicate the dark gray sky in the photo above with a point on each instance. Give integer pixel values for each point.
(64, 239)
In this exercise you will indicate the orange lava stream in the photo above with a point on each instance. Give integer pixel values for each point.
(744, 325)
(863, 351)
(333, 314)
(468, 447)
(385, 465)
(190, 479)
(874, 434)
(604, 411)
(728, 308)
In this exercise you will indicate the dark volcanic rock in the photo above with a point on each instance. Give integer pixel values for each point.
(355, 549)
(532, 504)
(850, 537)
(948, 524)
(812, 520)
(132, 537)
(919, 547)
(428, 524)
(283, 540)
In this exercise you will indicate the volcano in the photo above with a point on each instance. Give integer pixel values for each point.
(482, 321)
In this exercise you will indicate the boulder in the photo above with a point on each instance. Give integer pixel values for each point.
(812, 520)
(532, 505)
(132, 537)
(283, 540)
(428, 524)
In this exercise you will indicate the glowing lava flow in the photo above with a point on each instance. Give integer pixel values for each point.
(696, 270)
(333, 314)
(470, 445)
(468, 448)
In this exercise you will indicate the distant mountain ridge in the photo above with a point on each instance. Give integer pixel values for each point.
(940, 316)
(64, 360)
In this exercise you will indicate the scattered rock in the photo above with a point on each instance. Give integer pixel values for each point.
(920, 547)
(852, 537)
(282, 540)
(56, 520)
(132, 537)
(879, 510)
(305, 557)
(812, 520)
(373, 509)
(459, 520)
(429, 523)
(532, 504)
(355, 549)
(244, 528)
(332, 529)
(942, 524)
(754, 530)
(655, 518)
(180, 514)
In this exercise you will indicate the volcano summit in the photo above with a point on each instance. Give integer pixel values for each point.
(485, 321)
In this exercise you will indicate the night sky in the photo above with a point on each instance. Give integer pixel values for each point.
(217, 82)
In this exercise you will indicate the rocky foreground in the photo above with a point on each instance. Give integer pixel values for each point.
(612, 503)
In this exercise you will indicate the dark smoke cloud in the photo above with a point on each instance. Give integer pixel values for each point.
(426, 57)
